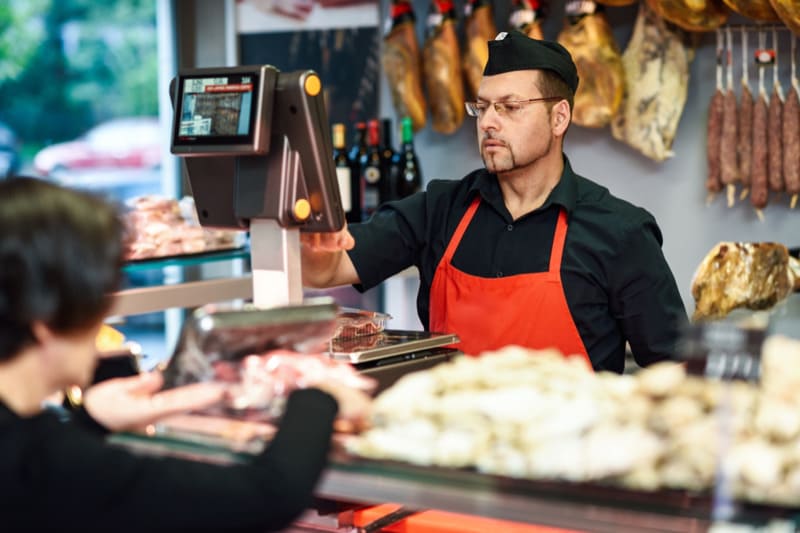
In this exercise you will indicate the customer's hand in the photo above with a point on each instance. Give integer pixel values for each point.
(126, 403)
(354, 406)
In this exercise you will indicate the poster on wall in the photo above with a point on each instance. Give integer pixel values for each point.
(339, 39)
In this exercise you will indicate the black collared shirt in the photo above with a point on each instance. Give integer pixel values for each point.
(616, 281)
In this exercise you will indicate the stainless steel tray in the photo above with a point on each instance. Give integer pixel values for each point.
(388, 343)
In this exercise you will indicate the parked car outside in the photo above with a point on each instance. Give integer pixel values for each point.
(132, 142)
(120, 158)
(9, 152)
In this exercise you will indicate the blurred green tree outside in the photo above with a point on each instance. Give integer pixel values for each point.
(66, 65)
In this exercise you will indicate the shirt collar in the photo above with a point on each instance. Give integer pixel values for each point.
(564, 194)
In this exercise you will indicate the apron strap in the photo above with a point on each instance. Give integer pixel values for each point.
(460, 229)
(560, 236)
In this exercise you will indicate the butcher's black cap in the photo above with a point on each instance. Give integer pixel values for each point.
(513, 50)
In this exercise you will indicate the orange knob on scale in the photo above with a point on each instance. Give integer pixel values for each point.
(302, 210)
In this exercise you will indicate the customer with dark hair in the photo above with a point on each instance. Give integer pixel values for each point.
(60, 258)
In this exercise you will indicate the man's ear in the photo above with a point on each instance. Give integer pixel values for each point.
(561, 115)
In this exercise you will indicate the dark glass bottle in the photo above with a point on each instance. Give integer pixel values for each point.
(389, 172)
(371, 171)
(344, 173)
(357, 151)
(410, 173)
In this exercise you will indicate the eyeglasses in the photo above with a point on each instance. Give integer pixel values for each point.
(505, 108)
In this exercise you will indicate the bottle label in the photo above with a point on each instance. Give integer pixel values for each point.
(372, 175)
(343, 177)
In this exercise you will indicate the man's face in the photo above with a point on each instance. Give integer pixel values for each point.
(521, 132)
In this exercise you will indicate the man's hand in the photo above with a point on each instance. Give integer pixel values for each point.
(126, 403)
(324, 261)
(328, 242)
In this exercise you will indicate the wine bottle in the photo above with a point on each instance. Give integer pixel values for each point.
(357, 150)
(343, 173)
(410, 173)
(371, 171)
(389, 189)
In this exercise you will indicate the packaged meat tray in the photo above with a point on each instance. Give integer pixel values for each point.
(354, 323)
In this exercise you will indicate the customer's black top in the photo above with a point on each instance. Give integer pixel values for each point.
(59, 475)
(617, 283)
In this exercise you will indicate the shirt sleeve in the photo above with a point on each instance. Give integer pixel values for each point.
(101, 486)
(390, 241)
(646, 300)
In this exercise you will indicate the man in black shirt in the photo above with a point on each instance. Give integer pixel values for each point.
(524, 251)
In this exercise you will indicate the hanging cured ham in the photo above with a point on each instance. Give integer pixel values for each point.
(716, 111)
(402, 64)
(789, 13)
(479, 28)
(588, 37)
(441, 64)
(526, 16)
(656, 80)
(692, 15)
(753, 9)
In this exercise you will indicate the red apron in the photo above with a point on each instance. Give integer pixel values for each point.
(488, 313)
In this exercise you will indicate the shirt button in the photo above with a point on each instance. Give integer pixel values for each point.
(510, 227)
(499, 274)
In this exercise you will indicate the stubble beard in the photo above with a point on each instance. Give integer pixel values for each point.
(501, 162)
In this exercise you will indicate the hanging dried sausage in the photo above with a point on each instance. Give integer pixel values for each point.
(715, 111)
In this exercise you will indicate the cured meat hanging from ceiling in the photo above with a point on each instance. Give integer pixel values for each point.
(791, 132)
(692, 15)
(728, 160)
(526, 16)
(656, 67)
(775, 126)
(617, 2)
(789, 13)
(745, 126)
(441, 64)
(716, 110)
(479, 29)
(588, 37)
(760, 10)
(402, 64)
(759, 179)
